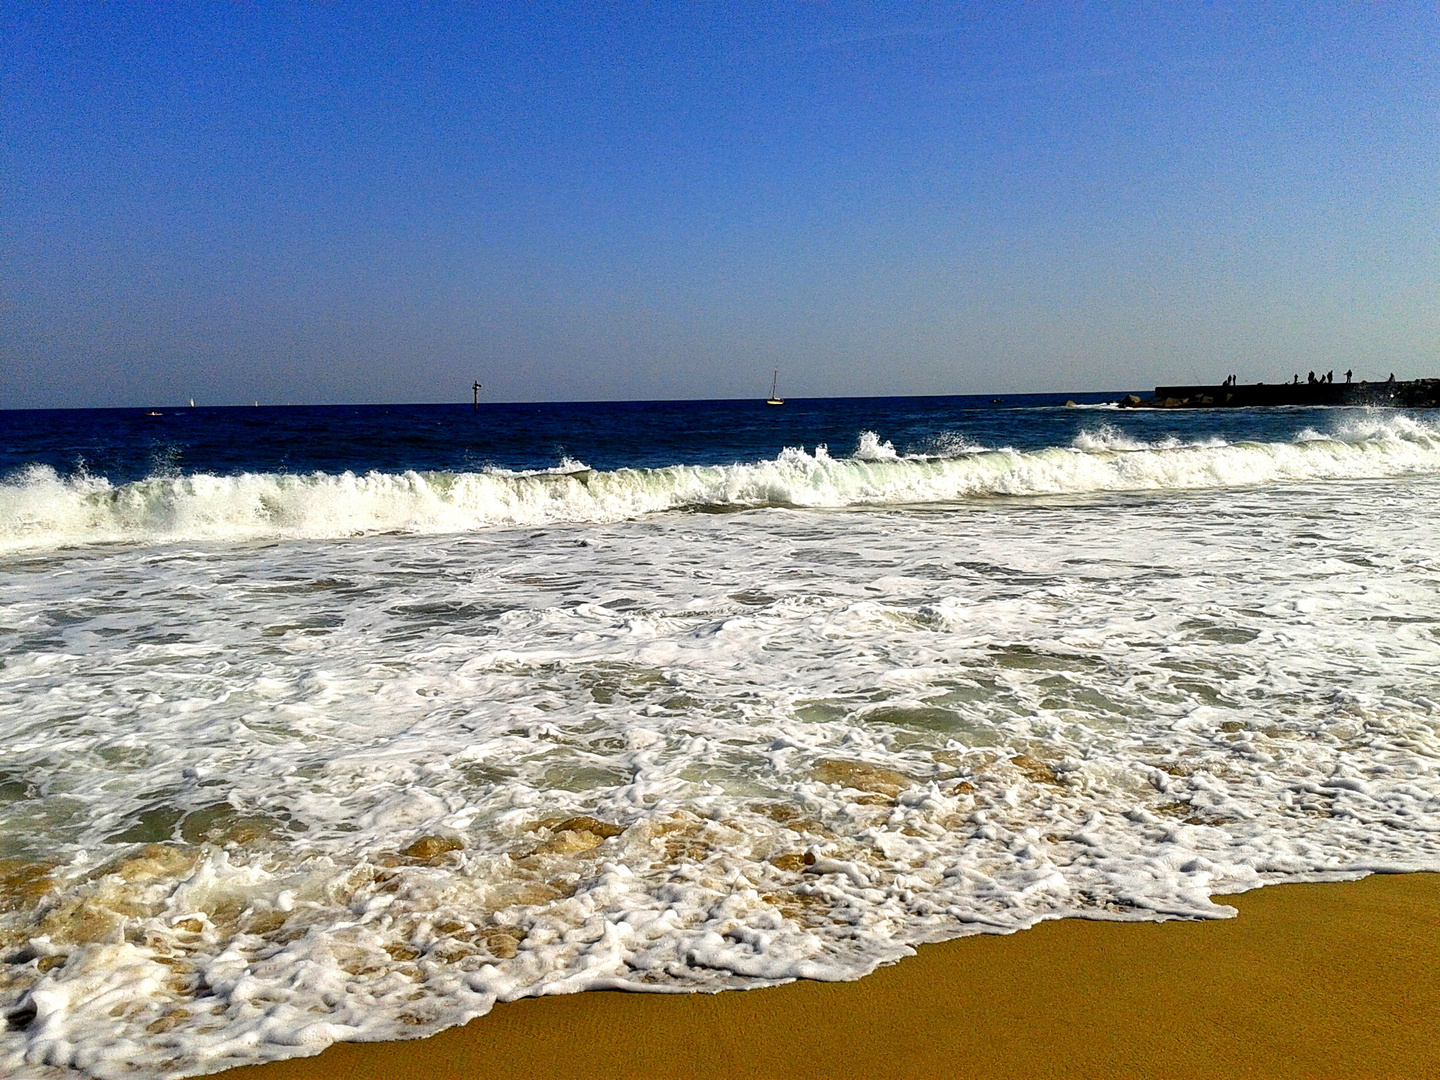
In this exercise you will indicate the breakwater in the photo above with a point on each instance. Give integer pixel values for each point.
(1411, 394)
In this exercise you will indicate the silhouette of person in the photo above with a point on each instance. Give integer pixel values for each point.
(1347, 375)
(1310, 379)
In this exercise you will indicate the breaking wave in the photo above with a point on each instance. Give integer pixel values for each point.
(39, 509)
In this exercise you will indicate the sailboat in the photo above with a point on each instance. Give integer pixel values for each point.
(774, 385)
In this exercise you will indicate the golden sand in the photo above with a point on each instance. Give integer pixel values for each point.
(1336, 980)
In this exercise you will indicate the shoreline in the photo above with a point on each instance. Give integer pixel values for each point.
(1333, 979)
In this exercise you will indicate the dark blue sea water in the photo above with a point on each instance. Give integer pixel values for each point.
(124, 445)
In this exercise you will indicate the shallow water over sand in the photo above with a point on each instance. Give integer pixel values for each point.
(259, 794)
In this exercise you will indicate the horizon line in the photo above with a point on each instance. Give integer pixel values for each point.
(547, 401)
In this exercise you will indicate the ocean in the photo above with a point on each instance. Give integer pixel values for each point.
(343, 723)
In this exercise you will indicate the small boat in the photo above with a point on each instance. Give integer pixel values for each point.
(152, 412)
(774, 385)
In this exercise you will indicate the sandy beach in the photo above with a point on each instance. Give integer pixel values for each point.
(1309, 981)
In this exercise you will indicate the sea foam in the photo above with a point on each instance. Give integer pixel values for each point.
(41, 510)
(261, 797)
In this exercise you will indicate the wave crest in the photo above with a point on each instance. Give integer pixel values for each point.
(1109, 437)
(41, 510)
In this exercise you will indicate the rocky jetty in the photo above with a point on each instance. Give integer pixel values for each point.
(1413, 394)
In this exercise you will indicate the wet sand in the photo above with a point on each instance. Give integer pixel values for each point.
(1326, 980)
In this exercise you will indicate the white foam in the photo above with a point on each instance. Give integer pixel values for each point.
(871, 448)
(39, 510)
(967, 721)
(1108, 437)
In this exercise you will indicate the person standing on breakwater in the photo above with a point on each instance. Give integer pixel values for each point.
(1347, 375)
(1310, 378)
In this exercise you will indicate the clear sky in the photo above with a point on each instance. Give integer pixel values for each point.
(332, 203)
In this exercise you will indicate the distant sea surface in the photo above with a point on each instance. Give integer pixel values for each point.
(348, 722)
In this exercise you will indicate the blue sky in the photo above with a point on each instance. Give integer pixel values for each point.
(335, 203)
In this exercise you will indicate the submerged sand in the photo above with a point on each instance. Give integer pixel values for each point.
(1310, 981)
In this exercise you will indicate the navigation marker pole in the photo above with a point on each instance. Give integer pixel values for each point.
(475, 405)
